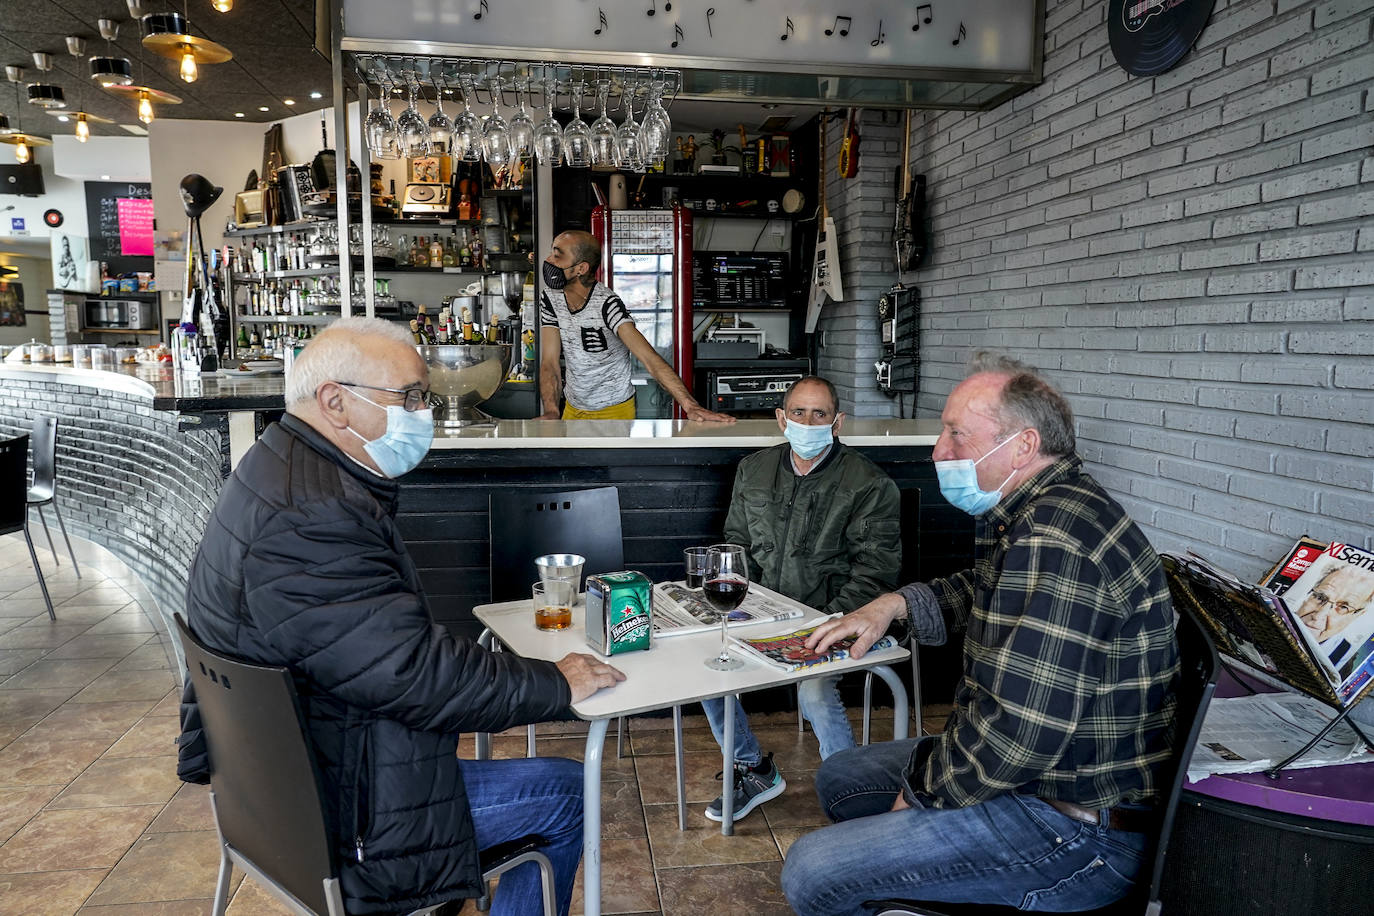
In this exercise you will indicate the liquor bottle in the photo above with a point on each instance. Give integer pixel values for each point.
(467, 325)
(395, 201)
(415, 332)
(436, 252)
(242, 342)
(421, 253)
(465, 253)
(451, 250)
(477, 260)
(430, 336)
(492, 330)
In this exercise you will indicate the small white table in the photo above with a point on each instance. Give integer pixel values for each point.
(671, 673)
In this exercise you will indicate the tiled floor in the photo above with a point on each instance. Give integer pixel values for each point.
(94, 821)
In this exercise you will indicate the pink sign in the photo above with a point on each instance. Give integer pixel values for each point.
(135, 226)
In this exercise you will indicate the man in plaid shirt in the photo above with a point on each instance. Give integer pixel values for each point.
(1040, 792)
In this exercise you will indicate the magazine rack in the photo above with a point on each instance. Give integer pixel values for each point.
(1246, 626)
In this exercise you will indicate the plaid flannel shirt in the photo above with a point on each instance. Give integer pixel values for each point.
(1069, 654)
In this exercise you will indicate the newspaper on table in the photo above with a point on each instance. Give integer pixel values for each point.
(678, 610)
(1251, 734)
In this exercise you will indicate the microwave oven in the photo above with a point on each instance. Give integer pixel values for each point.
(121, 314)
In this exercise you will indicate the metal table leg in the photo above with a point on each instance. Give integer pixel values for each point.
(727, 792)
(681, 774)
(591, 818)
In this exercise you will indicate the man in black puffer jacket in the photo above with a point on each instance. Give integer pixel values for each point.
(301, 565)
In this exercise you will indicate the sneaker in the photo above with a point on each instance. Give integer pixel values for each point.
(753, 786)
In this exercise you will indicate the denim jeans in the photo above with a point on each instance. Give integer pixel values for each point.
(820, 704)
(514, 798)
(1013, 850)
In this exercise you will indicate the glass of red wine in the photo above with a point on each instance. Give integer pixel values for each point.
(727, 582)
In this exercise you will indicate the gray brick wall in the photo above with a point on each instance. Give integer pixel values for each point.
(128, 478)
(1187, 255)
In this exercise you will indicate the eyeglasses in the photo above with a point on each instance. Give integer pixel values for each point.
(1342, 607)
(415, 398)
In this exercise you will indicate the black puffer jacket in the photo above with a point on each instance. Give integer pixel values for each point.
(302, 566)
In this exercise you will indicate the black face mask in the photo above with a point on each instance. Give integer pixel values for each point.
(553, 276)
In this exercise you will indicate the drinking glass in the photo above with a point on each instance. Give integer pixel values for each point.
(603, 128)
(553, 599)
(521, 125)
(577, 136)
(629, 148)
(467, 127)
(440, 124)
(496, 144)
(380, 128)
(412, 129)
(656, 130)
(695, 560)
(548, 133)
(727, 582)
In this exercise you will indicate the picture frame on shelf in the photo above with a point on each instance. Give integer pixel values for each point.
(430, 170)
(780, 155)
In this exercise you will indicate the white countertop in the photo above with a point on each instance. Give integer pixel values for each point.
(673, 434)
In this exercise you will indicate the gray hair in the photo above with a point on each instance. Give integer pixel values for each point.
(1028, 401)
(334, 355)
(814, 380)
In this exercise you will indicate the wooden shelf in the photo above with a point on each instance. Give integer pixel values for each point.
(285, 319)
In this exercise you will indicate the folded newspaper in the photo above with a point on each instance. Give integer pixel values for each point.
(1251, 734)
(678, 610)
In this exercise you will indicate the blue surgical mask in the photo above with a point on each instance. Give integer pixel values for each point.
(408, 436)
(808, 441)
(959, 483)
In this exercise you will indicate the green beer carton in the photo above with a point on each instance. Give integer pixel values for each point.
(618, 612)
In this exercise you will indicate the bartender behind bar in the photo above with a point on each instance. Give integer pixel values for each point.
(589, 323)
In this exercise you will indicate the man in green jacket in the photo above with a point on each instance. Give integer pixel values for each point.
(820, 524)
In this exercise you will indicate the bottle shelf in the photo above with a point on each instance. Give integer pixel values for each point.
(285, 319)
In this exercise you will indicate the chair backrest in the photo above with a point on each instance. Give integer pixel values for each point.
(526, 524)
(1197, 683)
(910, 515)
(14, 483)
(44, 457)
(262, 770)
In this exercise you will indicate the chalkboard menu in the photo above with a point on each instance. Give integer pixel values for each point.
(103, 210)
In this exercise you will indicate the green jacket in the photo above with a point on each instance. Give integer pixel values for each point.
(831, 539)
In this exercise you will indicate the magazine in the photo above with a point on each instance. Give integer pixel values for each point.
(789, 653)
(1318, 638)
(679, 610)
(1287, 571)
(1251, 734)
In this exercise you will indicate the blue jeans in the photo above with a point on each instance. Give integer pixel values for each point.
(820, 704)
(1013, 850)
(514, 798)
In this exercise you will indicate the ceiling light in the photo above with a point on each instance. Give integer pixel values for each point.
(21, 151)
(317, 95)
(83, 129)
(288, 101)
(63, 118)
(238, 114)
(46, 95)
(109, 29)
(222, 6)
(169, 35)
(263, 108)
(146, 97)
(76, 45)
(104, 177)
(136, 9)
(145, 108)
(112, 71)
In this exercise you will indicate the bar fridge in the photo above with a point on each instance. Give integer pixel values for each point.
(646, 257)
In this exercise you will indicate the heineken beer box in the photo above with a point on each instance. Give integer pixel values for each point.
(618, 612)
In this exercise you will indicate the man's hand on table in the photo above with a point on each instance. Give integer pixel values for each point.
(586, 674)
(702, 415)
(867, 625)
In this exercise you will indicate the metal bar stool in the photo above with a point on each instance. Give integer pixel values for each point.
(43, 491)
(14, 507)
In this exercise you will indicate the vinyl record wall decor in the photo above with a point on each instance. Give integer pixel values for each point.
(1150, 36)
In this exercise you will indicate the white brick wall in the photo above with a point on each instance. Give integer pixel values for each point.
(1187, 255)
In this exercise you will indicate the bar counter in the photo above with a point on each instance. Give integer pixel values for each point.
(142, 453)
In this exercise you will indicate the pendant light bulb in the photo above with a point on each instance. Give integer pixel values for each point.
(222, 6)
(145, 108)
(83, 128)
(188, 64)
(21, 151)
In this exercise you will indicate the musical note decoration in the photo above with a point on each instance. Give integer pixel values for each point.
(710, 11)
(653, 8)
(930, 14)
(881, 38)
(667, 6)
(678, 35)
(482, 8)
(604, 24)
(843, 30)
(789, 30)
(963, 33)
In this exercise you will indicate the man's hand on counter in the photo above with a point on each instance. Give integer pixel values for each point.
(550, 415)
(586, 674)
(702, 415)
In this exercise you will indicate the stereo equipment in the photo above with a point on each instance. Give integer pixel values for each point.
(731, 391)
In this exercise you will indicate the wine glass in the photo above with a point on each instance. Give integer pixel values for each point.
(603, 128)
(656, 129)
(577, 136)
(694, 559)
(467, 127)
(380, 128)
(440, 124)
(496, 145)
(548, 133)
(521, 125)
(727, 582)
(629, 149)
(412, 129)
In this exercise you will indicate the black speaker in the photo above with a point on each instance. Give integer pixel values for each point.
(26, 179)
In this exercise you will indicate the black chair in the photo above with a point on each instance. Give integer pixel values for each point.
(526, 524)
(1196, 684)
(14, 508)
(265, 788)
(43, 492)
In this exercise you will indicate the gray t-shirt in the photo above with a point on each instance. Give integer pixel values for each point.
(598, 362)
